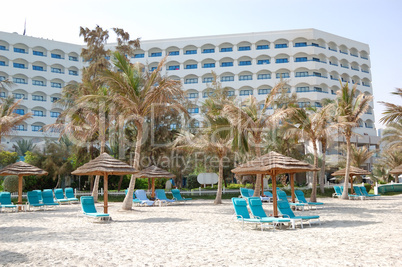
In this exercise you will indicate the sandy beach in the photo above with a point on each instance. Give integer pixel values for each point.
(353, 233)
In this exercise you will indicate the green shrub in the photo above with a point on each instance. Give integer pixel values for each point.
(141, 183)
(192, 181)
(10, 183)
(368, 187)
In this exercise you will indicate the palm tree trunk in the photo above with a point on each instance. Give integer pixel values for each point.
(102, 150)
(119, 184)
(345, 194)
(322, 175)
(257, 188)
(313, 197)
(218, 199)
(128, 200)
(96, 188)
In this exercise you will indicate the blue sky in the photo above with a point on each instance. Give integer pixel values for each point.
(377, 23)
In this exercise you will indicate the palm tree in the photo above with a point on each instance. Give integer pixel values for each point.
(250, 120)
(360, 155)
(349, 109)
(8, 118)
(392, 135)
(393, 112)
(22, 146)
(137, 95)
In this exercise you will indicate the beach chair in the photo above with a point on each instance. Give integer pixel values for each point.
(142, 196)
(48, 199)
(161, 196)
(300, 197)
(59, 195)
(286, 211)
(39, 195)
(5, 202)
(242, 215)
(282, 197)
(251, 194)
(69, 192)
(177, 196)
(359, 193)
(364, 192)
(33, 200)
(244, 192)
(88, 208)
(135, 200)
(258, 212)
(349, 195)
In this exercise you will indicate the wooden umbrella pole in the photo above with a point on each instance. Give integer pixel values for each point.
(19, 191)
(262, 185)
(292, 186)
(275, 203)
(105, 191)
(153, 188)
(351, 184)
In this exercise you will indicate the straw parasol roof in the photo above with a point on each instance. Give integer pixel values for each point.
(105, 164)
(352, 171)
(273, 162)
(397, 170)
(21, 168)
(154, 172)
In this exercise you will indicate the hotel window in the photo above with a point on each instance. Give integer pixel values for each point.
(230, 93)
(209, 65)
(156, 54)
(19, 80)
(139, 55)
(263, 76)
(55, 85)
(19, 128)
(316, 74)
(281, 46)
(191, 52)
(301, 59)
(302, 89)
(192, 95)
(56, 56)
(54, 99)
(207, 80)
(173, 126)
(38, 53)
(303, 104)
(72, 58)
(245, 63)
(317, 89)
(282, 75)
(107, 57)
(2, 78)
(264, 91)
(262, 47)
(302, 74)
(263, 62)
(2, 63)
(316, 59)
(39, 68)
(56, 70)
(281, 60)
(2, 47)
(38, 83)
(300, 44)
(208, 51)
(19, 50)
(38, 98)
(245, 77)
(227, 49)
(191, 66)
(38, 113)
(174, 67)
(36, 128)
(19, 65)
(54, 114)
(227, 64)
(193, 110)
(207, 94)
(19, 111)
(152, 69)
(244, 48)
(174, 53)
(192, 80)
(227, 78)
(73, 72)
(246, 92)
(317, 105)
(2, 94)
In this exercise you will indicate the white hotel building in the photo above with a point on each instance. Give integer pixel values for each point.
(311, 61)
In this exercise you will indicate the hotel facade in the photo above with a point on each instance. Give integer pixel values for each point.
(312, 62)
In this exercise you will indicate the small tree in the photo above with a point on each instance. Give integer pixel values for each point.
(10, 183)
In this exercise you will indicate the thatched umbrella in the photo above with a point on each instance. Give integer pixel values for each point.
(105, 165)
(273, 164)
(21, 169)
(352, 172)
(397, 171)
(154, 172)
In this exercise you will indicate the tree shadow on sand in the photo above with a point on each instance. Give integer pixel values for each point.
(12, 258)
(153, 220)
(344, 223)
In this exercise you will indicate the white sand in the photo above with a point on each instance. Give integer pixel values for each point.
(353, 233)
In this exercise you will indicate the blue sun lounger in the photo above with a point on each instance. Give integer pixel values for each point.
(300, 197)
(258, 212)
(59, 195)
(286, 211)
(142, 196)
(135, 200)
(364, 192)
(39, 195)
(5, 202)
(177, 196)
(70, 194)
(266, 198)
(161, 195)
(88, 208)
(282, 197)
(48, 199)
(242, 215)
(33, 200)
